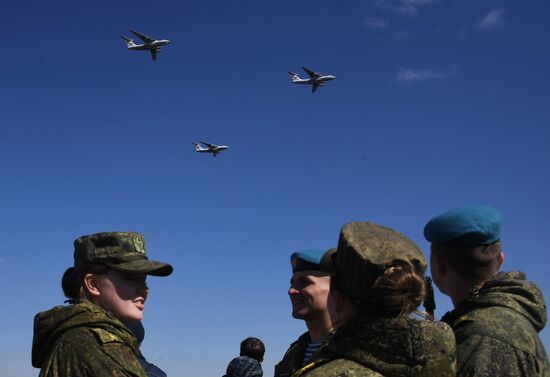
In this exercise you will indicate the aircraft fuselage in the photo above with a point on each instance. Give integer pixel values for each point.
(318, 80)
(150, 46)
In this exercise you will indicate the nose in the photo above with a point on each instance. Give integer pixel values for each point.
(143, 290)
(292, 291)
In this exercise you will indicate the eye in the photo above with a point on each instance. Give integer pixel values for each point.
(136, 277)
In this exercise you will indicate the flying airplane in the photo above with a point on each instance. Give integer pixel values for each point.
(210, 148)
(315, 79)
(151, 44)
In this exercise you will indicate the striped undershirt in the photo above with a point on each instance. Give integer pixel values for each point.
(311, 349)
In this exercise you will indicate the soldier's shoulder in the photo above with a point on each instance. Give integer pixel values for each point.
(340, 368)
(499, 324)
(302, 341)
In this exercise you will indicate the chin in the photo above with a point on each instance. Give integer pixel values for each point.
(298, 315)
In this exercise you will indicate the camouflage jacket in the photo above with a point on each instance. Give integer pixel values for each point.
(83, 340)
(497, 327)
(389, 347)
(294, 357)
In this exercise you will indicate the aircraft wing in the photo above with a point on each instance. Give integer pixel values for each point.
(143, 37)
(310, 73)
(211, 146)
(154, 53)
(314, 88)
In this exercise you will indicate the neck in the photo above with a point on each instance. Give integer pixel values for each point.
(319, 328)
(461, 290)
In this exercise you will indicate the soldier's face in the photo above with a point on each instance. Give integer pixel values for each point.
(122, 294)
(308, 294)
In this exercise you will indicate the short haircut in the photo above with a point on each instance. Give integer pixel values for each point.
(253, 347)
(478, 263)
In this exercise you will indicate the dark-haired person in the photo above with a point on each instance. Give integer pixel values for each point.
(308, 293)
(248, 364)
(106, 288)
(496, 316)
(376, 282)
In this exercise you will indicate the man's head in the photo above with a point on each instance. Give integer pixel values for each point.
(254, 348)
(465, 245)
(310, 283)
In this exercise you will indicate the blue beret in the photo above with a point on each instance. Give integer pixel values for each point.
(466, 226)
(306, 260)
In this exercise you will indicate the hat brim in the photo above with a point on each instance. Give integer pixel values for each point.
(143, 266)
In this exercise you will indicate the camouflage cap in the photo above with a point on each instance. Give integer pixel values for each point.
(365, 251)
(121, 251)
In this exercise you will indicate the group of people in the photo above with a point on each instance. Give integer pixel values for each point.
(359, 302)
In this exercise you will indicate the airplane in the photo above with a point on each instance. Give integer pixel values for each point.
(151, 44)
(315, 79)
(210, 148)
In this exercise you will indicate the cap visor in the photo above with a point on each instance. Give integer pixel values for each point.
(143, 266)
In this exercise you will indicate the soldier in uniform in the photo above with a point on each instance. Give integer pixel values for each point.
(496, 316)
(308, 292)
(106, 287)
(376, 282)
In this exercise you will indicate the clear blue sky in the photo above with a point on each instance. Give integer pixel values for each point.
(436, 104)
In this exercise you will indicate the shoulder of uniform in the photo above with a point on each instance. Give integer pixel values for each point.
(302, 340)
(104, 336)
(499, 324)
(336, 368)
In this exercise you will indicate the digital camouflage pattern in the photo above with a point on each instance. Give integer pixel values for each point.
(294, 357)
(83, 340)
(497, 327)
(389, 347)
(365, 251)
(121, 251)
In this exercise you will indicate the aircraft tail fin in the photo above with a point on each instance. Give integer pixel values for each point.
(197, 146)
(293, 76)
(129, 42)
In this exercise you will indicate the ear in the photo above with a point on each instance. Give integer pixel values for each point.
(337, 299)
(91, 284)
(439, 263)
(500, 260)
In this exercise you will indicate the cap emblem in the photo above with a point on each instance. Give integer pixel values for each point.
(139, 245)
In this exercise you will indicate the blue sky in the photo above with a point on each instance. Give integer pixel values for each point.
(436, 104)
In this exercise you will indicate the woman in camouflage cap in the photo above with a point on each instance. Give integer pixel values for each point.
(106, 288)
(376, 283)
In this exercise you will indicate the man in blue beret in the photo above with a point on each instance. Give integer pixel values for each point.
(496, 316)
(308, 292)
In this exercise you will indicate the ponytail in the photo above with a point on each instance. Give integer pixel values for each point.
(397, 292)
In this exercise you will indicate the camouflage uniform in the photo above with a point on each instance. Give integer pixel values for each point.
(376, 343)
(294, 357)
(83, 340)
(496, 329)
(390, 347)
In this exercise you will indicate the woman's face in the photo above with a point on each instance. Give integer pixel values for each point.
(122, 294)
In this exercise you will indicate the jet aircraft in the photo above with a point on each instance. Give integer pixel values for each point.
(315, 79)
(151, 44)
(210, 148)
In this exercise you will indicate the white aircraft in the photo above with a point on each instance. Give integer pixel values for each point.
(210, 148)
(151, 44)
(315, 79)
